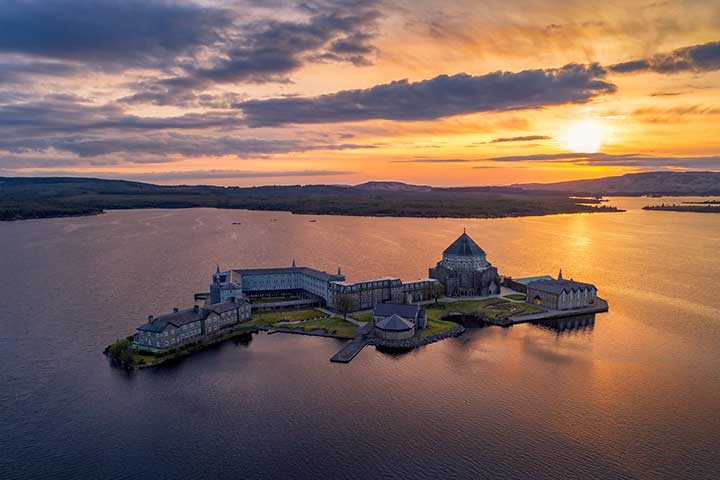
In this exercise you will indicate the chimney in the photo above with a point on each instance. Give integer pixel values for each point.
(196, 308)
(175, 310)
(150, 318)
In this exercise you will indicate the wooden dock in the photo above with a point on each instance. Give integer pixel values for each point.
(349, 351)
(353, 347)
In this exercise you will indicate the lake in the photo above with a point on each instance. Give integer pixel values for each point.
(636, 395)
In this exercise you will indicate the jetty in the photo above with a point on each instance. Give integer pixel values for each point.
(353, 347)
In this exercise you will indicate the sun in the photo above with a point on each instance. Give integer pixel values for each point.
(585, 137)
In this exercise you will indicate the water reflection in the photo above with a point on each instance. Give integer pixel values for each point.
(576, 323)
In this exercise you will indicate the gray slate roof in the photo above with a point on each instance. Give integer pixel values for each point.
(465, 246)
(183, 317)
(394, 323)
(286, 270)
(225, 306)
(390, 309)
(559, 286)
(529, 280)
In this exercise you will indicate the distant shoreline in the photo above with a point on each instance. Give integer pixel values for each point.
(33, 198)
(326, 214)
(702, 208)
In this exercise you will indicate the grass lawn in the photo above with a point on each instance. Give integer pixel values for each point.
(365, 317)
(334, 325)
(269, 318)
(516, 296)
(437, 326)
(495, 308)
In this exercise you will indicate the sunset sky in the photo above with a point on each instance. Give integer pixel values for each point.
(281, 92)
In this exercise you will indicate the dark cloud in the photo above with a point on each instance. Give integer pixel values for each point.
(106, 32)
(624, 160)
(525, 138)
(67, 123)
(435, 98)
(183, 175)
(697, 58)
(269, 50)
(21, 162)
(69, 113)
(20, 71)
(168, 144)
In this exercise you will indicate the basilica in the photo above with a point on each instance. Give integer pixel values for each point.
(465, 271)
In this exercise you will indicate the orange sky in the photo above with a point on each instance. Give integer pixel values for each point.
(654, 117)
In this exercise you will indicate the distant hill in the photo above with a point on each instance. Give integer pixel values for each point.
(25, 198)
(633, 184)
(393, 187)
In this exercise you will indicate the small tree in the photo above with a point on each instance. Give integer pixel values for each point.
(437, 290)
(344, 304)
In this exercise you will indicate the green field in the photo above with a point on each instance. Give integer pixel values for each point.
(515, 296)
(495, 308)
(269, 318)
(437, 326)
(334, 326)
(365, 317)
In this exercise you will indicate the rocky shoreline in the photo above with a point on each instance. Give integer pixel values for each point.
(416, 341)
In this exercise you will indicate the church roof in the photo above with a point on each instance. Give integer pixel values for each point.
(465, 246)
(394, 323)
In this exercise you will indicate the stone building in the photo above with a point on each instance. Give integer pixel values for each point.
(561, 294)
(181, 327)
(259, 282)
(171, 330)
(394, 328)
(226, 314)
(412, 313)
(465, 271)
(366, 294)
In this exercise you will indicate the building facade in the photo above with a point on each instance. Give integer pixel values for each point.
(226, 314)
(561, 294)
(259, 282)
(181, 327)
(465, 271)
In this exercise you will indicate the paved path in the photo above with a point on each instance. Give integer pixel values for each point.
(351, 320)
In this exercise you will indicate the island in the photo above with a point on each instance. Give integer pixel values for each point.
(699, 207)
(463, 290)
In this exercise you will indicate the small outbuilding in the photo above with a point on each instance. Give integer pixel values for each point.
(410, 312)
(394, 328)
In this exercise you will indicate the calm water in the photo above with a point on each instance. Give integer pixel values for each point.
(636, 396)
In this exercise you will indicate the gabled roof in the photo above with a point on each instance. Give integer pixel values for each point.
(178, 319)
(225, 306)
(464, 245)
(394, 323)
(390, 309)
(559, 286)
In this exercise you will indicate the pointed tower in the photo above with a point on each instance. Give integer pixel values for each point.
(560, 276)
(217, 269)
(293, 264)
(339, 272)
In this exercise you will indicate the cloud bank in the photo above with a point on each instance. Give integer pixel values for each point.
(438, 97)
